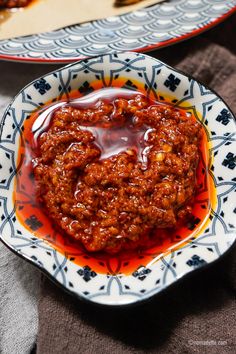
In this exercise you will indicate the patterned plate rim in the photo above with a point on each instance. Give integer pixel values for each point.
(85, 300)
(163, 288)
(147, 48)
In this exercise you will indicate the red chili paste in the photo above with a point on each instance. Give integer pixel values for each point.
(114, 167)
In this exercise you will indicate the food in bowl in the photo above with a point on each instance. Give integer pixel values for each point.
(115, 169)
(129, 276)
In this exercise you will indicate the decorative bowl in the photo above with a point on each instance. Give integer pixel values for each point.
(109, 284)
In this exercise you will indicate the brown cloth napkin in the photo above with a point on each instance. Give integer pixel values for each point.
(197, 315)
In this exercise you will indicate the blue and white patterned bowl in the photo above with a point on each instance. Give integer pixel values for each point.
(157, 79)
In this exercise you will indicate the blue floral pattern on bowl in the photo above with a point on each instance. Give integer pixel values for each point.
(159, 80)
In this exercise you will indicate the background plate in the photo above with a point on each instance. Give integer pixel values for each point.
(144, 30)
